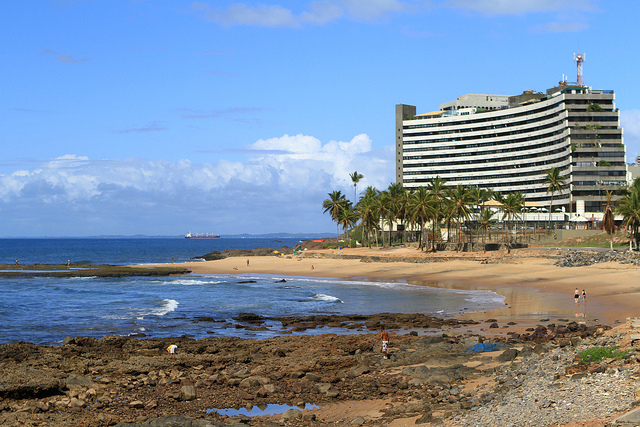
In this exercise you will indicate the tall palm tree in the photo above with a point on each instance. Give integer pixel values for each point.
(394, 205)
(348, 220)
(629, 207)
(335, 204)
(437, 192)
(355, 178)
(485, 222)
(512, 206)
(555, 182)
(368, 210)
(460, 206)
(421, 209)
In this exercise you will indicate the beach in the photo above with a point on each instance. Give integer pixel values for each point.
(533, 286)
(517, 365)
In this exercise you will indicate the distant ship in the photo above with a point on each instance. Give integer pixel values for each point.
(202, 236)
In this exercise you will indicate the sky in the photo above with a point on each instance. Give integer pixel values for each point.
(155, 117)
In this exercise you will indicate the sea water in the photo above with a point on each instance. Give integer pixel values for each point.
(45, 310)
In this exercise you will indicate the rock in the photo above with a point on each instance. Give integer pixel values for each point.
(507, 355)
(137, 404)
(312, 377)
(358, 370)
(494, 325)
(358, 421)
(188, 392)
(74, 381)
(291, 414)
(427, 417)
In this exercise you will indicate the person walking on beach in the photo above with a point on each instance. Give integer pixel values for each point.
(384, 337)
(576, 295)
(247, 262)
(584, 296)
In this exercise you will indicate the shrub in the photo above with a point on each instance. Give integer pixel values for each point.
(596, 354)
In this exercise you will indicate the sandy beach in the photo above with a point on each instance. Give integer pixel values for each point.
(534, 288)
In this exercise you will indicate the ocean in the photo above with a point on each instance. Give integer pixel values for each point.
(46, 310)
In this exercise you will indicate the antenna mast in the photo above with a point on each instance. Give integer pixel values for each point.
(579, 58)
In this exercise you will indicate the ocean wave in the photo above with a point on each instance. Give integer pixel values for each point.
(194, 282)
(325, 297)
(166, 307)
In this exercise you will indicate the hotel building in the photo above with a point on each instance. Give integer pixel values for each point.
(509, 143)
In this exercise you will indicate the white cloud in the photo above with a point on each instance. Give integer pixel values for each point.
(282, 183)
(319, 12)
(511, 7)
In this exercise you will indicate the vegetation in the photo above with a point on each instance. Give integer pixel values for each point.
(596, 354)
(555, 182)
(396, 215)
(629, 207)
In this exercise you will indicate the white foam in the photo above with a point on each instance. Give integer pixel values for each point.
(324, 297)
(166, 307)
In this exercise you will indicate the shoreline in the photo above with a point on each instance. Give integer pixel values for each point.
(533, 287)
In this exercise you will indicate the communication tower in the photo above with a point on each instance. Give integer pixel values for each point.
(579, 58)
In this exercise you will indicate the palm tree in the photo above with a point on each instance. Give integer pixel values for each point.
(437, 192)
(608, 220)
(485, 222)
(368, 210)
(348, 220)
(460, 203)
(335, 204)
(512, 207)
(355, 178)
(629, 207)
(555, 182)
(392, 211)
(421, 208)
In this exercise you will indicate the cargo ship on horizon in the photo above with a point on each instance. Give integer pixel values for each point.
(202, 236)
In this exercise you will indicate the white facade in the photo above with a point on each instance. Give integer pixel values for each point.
(512, 149)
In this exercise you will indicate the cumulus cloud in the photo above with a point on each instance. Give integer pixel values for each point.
(318, 12)
(321, 12)
(510, 7)
(63, 57)
(149, 127)
(280, 185)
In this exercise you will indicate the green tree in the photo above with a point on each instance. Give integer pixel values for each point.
(421, 209)
(512, 207)
(461, 202)
(438, 193)
(629, 207)
(348, 220)
(335, 204)
(355, 178)
(368, 209)
(485, 222)
(555, 182)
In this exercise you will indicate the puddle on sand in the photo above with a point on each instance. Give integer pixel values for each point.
(260, 410)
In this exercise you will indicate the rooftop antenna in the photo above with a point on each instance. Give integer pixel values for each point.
(579, 58)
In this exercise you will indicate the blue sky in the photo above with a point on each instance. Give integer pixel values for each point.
(162, 117)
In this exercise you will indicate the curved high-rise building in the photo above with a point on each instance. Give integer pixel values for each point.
(509, 143)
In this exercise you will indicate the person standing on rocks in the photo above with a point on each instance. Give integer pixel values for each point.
(384, 337)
